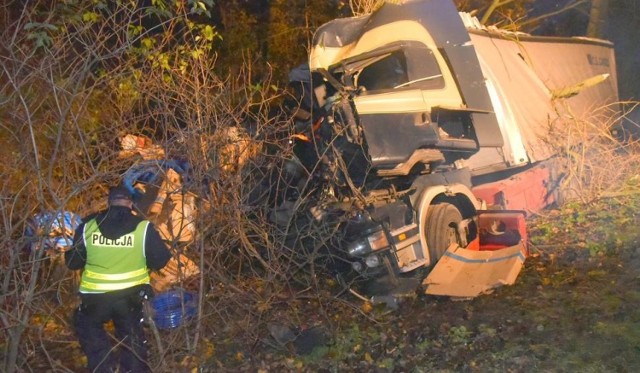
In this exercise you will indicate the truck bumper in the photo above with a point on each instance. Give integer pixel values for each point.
(493, 259)
(468, 273)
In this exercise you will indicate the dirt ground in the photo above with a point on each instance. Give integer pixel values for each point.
(568, 312)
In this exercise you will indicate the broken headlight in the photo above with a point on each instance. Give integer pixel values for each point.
(374, 242)
(372, 261)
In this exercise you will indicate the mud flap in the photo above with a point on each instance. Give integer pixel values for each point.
(468, 273)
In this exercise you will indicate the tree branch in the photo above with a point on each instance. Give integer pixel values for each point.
(492, 8)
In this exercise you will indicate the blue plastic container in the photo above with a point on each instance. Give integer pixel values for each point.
(172, 307)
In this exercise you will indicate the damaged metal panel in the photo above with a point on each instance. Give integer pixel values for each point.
(440, 19)
(409, 133)
(493, 259)
(468, 273)
(510, 75)
(340, 32)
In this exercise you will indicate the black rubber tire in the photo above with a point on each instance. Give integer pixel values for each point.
(440, 230)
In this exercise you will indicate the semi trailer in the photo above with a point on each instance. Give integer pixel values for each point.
(433, 131)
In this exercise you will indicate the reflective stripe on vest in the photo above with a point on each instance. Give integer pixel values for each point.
(116, 277)
(114, 264)
(101, 288)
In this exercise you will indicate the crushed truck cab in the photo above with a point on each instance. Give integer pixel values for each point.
(411, 66)
(417, 111)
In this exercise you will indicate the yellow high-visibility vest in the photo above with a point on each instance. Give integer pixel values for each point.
(114, 264)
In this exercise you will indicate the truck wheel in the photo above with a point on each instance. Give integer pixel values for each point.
(441, 229)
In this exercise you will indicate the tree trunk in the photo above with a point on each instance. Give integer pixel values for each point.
(597, 17)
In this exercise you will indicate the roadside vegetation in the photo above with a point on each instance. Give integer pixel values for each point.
(75, 77)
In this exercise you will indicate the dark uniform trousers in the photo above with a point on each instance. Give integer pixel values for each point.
(129, 351)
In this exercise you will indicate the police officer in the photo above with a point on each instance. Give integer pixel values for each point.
(116, 249)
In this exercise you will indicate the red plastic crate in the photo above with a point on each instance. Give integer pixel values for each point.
(500, 229)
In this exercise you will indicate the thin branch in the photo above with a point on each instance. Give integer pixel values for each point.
(492, 8)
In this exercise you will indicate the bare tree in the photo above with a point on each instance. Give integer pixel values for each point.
(75, 80)
(597, 18)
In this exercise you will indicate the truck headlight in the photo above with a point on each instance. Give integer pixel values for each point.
(359, 248)
(372, 261)
(374, 242)
(378, 241)
(357, 266)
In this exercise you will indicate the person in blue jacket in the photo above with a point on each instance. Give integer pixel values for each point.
(116, 249)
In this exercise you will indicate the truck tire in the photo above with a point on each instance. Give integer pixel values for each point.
(441, 229)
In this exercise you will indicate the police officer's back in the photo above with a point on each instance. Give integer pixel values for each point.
(116, 249)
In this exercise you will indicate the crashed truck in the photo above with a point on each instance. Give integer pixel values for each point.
(438, 129)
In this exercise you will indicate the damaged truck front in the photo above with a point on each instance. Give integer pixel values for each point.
(415, 112)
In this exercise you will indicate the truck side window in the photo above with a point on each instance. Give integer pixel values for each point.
(412, 67)
(424, 72)
(386, 73)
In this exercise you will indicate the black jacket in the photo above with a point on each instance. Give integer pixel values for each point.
(114, 223)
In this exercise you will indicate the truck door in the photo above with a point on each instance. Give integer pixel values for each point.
(397, 87)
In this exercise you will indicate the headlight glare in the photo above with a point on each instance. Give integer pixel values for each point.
(372, 261)
(358, 248)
